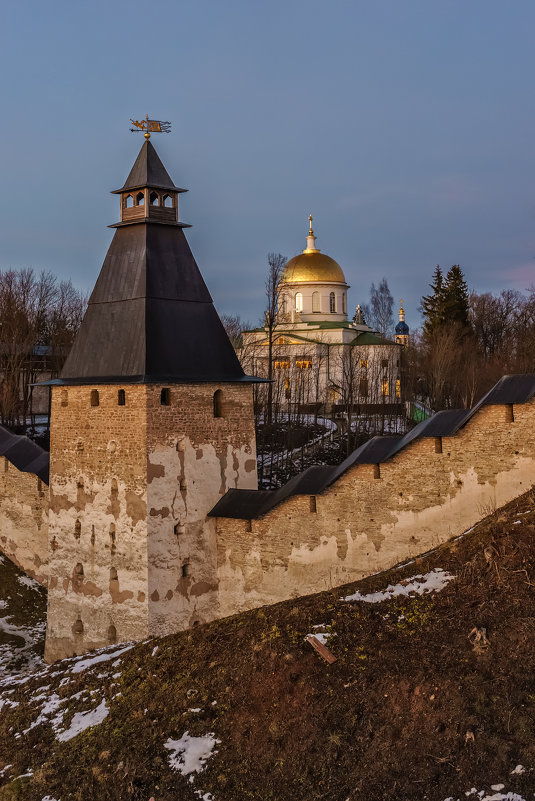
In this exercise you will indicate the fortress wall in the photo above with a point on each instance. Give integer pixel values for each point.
(97, 523)
(194, 457)
(24, 520)
(363, 524)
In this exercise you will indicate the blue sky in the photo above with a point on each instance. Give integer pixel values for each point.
(406, 128)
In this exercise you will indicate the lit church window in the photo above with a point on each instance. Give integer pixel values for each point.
(282, 364)
(303, 364)
(299, 302)
(332, 303)
(398, 388)
(384, 387)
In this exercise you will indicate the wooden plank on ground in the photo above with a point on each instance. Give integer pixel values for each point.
(321, 649)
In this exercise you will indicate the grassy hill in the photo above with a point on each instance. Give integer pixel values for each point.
(420, 704)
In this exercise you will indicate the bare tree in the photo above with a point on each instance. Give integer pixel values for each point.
(38, 322)
(381, 309)
(276, 262)
(235, 326)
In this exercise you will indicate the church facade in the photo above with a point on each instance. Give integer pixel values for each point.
(320, 357)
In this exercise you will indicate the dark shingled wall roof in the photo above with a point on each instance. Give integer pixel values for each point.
(251, 504)
(150, 317)
(26, 455)
(148, 170)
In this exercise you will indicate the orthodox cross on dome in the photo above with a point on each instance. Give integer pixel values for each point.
(401, 311)
(311, 239)
(150, 126)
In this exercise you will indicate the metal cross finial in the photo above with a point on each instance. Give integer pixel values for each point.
(310, 231)
(150, 126)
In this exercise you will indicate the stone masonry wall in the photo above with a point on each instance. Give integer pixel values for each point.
(132, 552)
(24, 520)
(372, 518)
(97, 521)
(193, 459)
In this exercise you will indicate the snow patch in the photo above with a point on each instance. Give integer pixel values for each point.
(190, 754)
(84, 720)
(26, 581)
(518, 769)
(421, 584)
(101, 657)
(322, 636)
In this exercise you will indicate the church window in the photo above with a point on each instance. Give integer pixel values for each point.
(185, 570)
(287, 389)
(165, 397)
(509, 413)
(332, 303)
(384, 387)
(95, 401)
(313, 503)
(64, 397)
(363, 387)
(167, 201)
(78, 573)
(364, 363)
(77, 529)
(398, 388)
(129, 201)
(112, 538)
(140, 199)
(121, 397)
(344, 303)
(377, 471)
(282, 364)
(299, 302)
(303, 364)
(384, 362)
(154, 199)
(315, 301)
(112, 634)
(438, 444)
(113, 574)
(218, 403)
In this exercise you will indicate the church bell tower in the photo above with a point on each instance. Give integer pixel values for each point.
(152, 421)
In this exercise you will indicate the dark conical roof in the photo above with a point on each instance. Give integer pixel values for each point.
(150, 317)
(148, 170)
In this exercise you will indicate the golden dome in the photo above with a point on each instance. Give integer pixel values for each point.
(312, 265)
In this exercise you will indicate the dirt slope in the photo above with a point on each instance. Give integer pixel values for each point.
(244, 708)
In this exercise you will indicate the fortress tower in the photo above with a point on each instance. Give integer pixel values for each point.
(152, 422)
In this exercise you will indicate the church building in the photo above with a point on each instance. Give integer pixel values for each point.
(320, 357)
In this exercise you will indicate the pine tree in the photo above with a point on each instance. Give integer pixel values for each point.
(433, 304)
(456, 298)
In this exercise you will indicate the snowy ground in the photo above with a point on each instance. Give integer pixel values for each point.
(22, 621)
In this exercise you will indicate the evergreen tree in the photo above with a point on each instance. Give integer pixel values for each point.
(433, 304)
(456, 298)
(448, 303)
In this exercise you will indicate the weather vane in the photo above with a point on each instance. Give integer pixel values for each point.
(150, 126)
